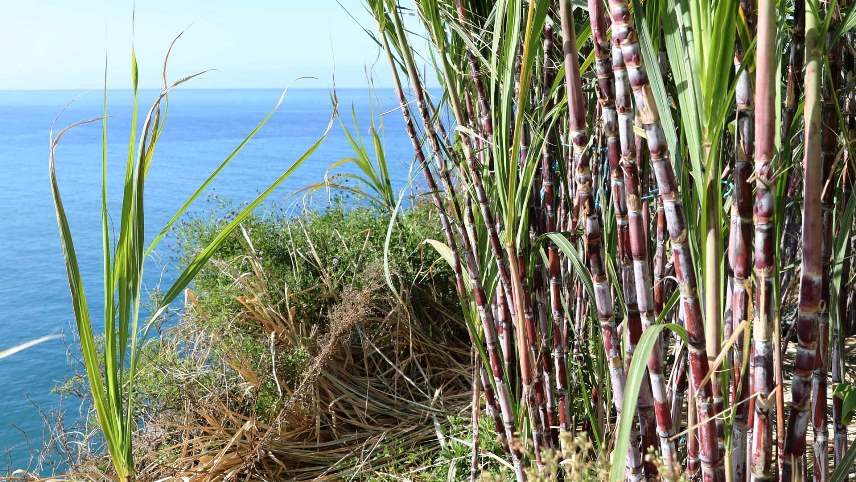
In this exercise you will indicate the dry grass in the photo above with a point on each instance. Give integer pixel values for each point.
(376, 384)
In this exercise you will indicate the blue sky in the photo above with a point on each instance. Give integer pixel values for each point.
(60, 44)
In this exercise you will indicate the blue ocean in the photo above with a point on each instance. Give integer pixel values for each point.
(202, 128)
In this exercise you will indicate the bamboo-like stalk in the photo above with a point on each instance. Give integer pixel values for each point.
(474, 175)
(811, 276)
(593, 231)
(505, 330)
(491, 407)
(475, 407)
(750, 408)
(795, 65)
(474, 168)
(764, 265)
(637, 243)
(739, 253)
(679, 384)
(537, 398)
(644, 182)
(504, 398)
(790, 239)
(836, 348)
(829, 145)
(659, 261)
(622, 27)
(553, 268)
(607, 89)
(839, 329)
(694, 470)
(528, 335)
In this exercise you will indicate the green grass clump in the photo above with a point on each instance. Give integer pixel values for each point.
(450, 462)
(312, 257)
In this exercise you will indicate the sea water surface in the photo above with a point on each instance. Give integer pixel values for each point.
(203, 126)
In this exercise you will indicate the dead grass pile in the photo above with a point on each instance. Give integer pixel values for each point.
(374, 386)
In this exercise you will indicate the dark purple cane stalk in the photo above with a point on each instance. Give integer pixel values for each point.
(549, 413)
(829, 144)
(553, 265)
(491, 406)
(710, 454)
(593, 232)
(659, 261)
(636, 241)
(504, 397)
(579, 322)
(739, 253)
(838, 333)
(534, 374)
(506, 332)
(607, 102)
(644, 181)
(678, 383)
(790, 238)
(750, 408)
(540, 282)
(846, 296)
(811, 276)
(527, 339)
(527, 333)
(795, 65)
(475, 168)
(474, 173)
(694, 470)
(762, 366)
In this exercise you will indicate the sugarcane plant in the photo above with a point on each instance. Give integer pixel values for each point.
(111, 363)
(611, 172)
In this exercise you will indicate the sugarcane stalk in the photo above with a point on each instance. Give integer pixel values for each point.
(475, 412)
(764, 265)
(750, 408)
(553, 268)
(536, 399)
(838, 333)
(592, 228)
(710, 454)
(811, 276)
(659, 261)
(829, 145)
(474, 167)
(694, 471)
(489, 328)
(607, 89)
(644, 180)
(491, 407)
(539, 397)
(790, 237)
(505, 329)
(636, 241)
(739, 253)
(528, 336)
(678, 382)
(840, 442)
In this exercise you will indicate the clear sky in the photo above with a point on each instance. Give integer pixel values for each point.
(60, 44)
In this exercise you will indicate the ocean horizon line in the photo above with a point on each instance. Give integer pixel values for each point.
(210, 89)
